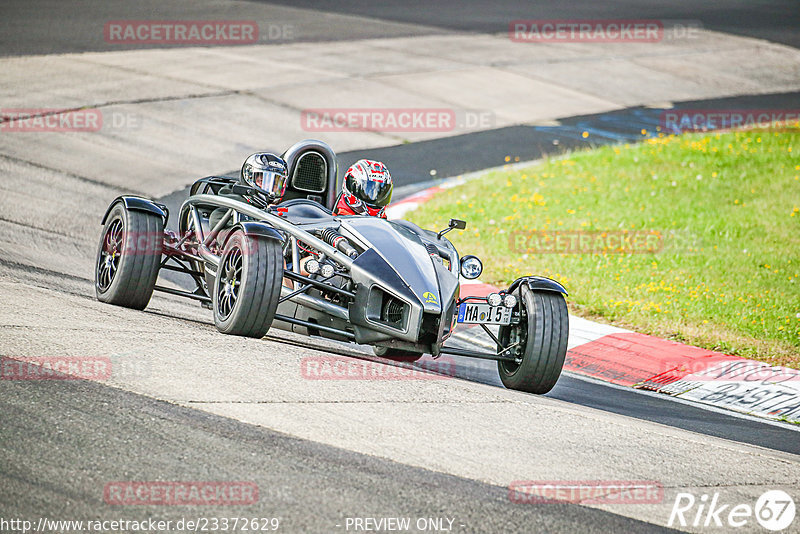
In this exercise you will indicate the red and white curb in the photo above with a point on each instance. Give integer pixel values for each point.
(399, 209)
(626, 358)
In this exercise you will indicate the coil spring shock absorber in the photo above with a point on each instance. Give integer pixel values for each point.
(337, 241)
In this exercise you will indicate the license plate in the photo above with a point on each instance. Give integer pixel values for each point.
(473, 313)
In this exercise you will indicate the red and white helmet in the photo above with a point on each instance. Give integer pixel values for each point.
(367, 187)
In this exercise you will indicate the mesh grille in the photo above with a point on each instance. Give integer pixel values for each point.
(394, 312)
(310, 173)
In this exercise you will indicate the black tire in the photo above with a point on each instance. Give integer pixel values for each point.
(128, 257)
(398, 355)
(248, 285)
(545, 329)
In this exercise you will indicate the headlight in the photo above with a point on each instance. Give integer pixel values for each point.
(327, 270)
(312, 266)
(471, 267)
(509, 301)
(494, 299)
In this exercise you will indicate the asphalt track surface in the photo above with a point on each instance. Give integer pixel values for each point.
(52, 26)
(62, 442)
(775, 20)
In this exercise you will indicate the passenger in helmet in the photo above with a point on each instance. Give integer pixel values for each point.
(366, 190)
(264, 172)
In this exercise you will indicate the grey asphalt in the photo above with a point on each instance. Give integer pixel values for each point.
(35, 27)
(63, 441)
(774, 20)
(52, 26)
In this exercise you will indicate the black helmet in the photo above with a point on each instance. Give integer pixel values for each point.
(370, 182)
(267, 173)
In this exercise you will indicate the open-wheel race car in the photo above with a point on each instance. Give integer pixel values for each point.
(296, 266)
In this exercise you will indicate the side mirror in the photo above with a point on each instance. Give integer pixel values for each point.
(455, 224)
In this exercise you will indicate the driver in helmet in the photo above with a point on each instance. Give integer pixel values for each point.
(366, 190)
(264, 172)
(267, 174)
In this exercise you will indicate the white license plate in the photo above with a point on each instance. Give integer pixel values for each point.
(473, 313)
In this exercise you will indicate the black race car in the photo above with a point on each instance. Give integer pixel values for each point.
(295, 266)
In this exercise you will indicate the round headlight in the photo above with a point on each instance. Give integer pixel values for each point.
(312, 266)
(327, 270)
(471, 267)
(494, 299)
(509, 301)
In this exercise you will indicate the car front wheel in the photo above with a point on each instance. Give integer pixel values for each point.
(248, 285)
(541, 336)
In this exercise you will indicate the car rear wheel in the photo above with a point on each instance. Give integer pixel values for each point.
(128, 257)
(542, 336)
(248, 285)
(398, 355)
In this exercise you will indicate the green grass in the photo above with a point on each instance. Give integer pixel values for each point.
(723, 214)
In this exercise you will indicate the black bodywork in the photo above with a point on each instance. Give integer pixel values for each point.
(389, 284)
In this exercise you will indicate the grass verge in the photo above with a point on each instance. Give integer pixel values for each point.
(695, 237)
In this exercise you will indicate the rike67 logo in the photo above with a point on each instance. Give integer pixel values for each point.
(774, 510)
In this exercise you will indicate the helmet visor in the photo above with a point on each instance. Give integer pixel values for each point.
(374, 193)
(269, 182)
